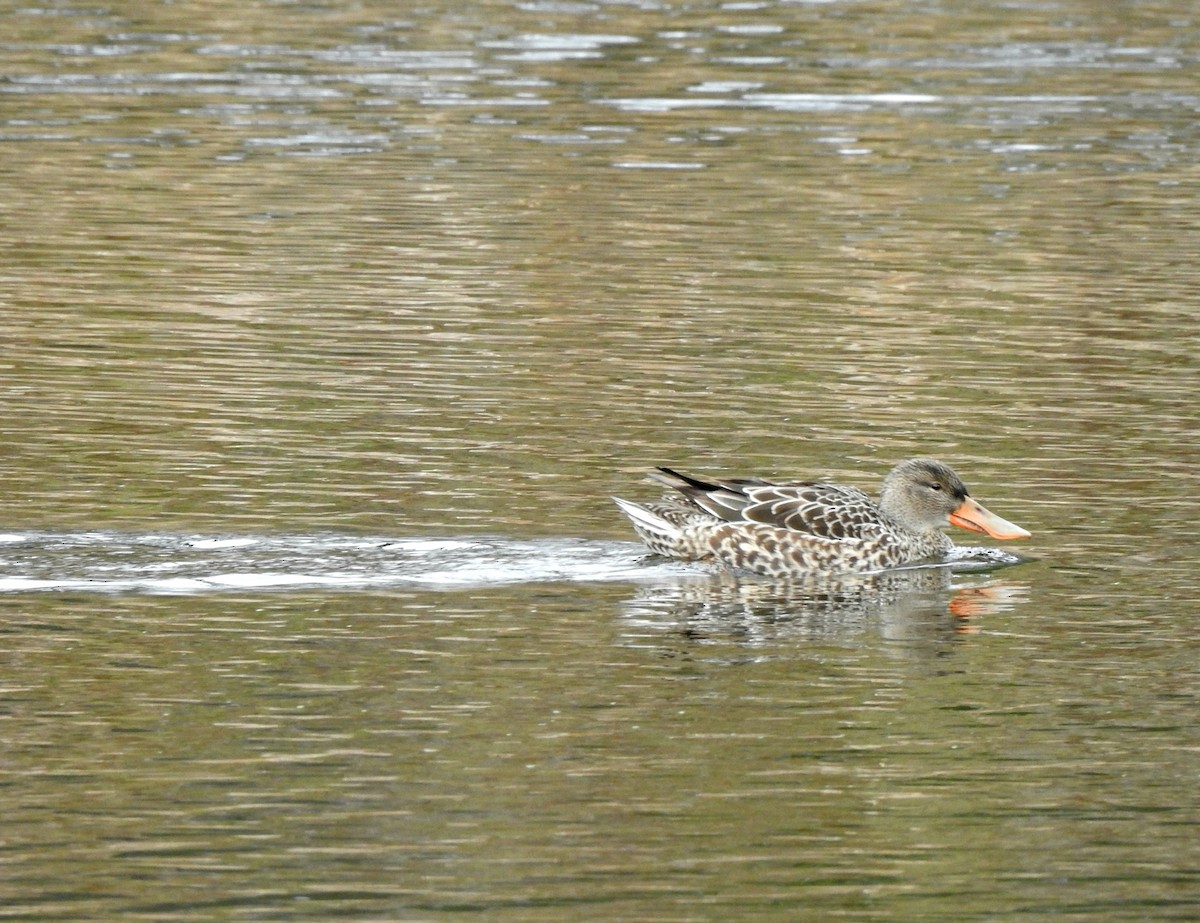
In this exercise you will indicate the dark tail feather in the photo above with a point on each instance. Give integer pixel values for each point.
(723, 499)
(678, 481)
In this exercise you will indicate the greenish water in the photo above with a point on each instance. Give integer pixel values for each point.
(326, 333)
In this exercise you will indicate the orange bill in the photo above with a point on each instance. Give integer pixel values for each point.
(974, 516)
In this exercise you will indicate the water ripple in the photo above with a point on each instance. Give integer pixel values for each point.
(113, 562)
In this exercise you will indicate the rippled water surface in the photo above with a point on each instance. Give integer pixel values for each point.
(327, 331)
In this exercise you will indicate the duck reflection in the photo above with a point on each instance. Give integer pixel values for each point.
(899, 604)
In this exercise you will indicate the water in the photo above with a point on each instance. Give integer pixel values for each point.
(326, 333)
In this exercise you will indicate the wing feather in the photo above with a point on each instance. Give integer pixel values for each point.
(825, 511)
(822, 510)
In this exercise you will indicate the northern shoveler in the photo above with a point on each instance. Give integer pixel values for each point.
(782, 529)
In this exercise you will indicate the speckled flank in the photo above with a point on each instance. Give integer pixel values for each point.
(776, 552)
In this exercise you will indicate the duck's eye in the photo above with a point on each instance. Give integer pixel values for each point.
(934, 486)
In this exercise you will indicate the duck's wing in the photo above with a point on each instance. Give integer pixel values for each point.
(821, 510)
(807, 508)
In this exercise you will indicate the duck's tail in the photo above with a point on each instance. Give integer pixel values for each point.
(663, 527)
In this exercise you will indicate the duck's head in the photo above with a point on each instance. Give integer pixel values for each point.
(923, 494)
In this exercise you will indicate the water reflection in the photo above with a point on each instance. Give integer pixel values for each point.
(899, 605)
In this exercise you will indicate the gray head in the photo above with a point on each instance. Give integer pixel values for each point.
(923, 494)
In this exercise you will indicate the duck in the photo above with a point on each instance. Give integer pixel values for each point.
(783, 529)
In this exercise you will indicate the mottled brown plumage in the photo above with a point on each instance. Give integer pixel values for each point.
(794, 528)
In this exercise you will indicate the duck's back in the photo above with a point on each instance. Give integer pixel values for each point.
(822, 510)
(804, 507)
